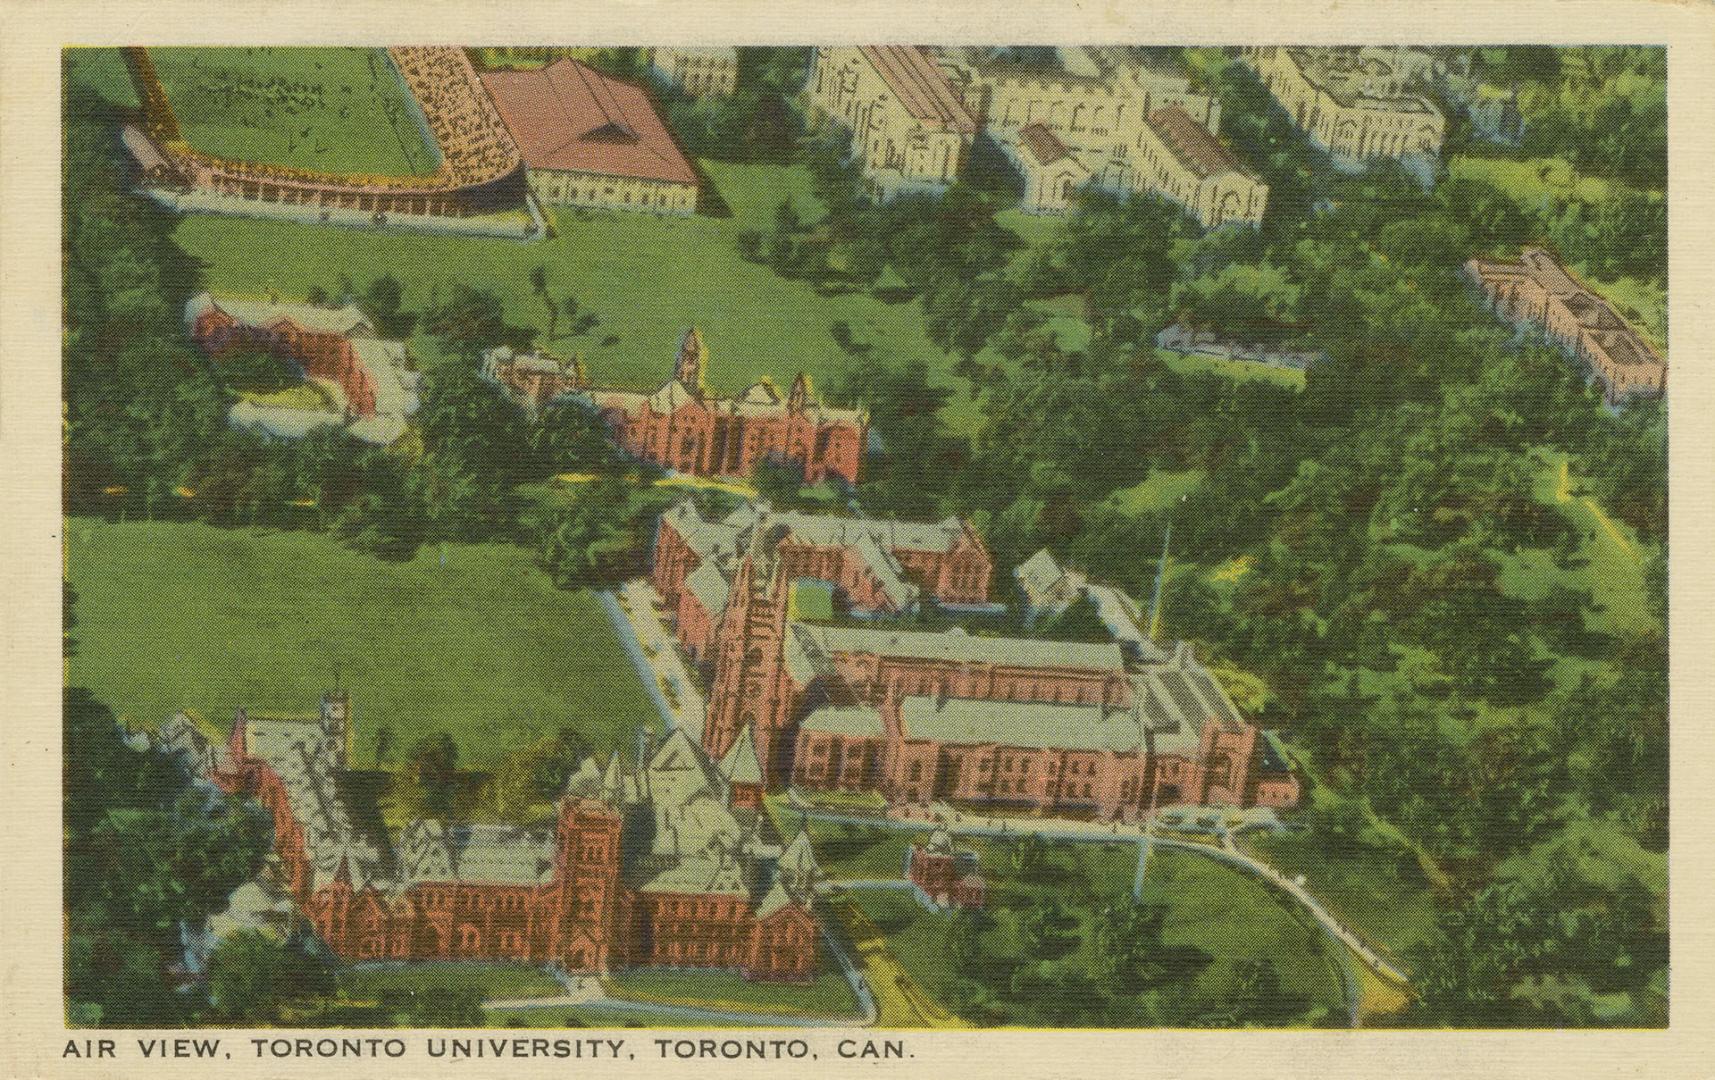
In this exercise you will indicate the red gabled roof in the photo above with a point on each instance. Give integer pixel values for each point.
(1043, 143)
(1192, 143)
(570, 116)
(920, 86)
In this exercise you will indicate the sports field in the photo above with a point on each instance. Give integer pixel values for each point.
(330, 110)
(471, 639)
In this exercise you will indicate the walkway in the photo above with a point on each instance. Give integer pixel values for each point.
(656, 656)
(1094, 832)
(587, 990)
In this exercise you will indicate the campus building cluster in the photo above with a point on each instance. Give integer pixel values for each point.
(1537, 291)
(1114, 729)
(367, 381)
(879, 566)
(588, 139)
(709, 71)
(683, 427)
(665, 863)
(1359, 103)
(1119, 119)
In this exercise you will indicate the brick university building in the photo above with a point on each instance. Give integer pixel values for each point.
(1112, 729)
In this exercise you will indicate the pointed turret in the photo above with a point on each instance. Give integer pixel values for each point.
(740, 765)
(799, 399)
(798, 867)
(613, 781)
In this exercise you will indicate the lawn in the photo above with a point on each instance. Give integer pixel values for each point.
(1237, 370)
(647, 278)
(470, 639)
(329, 110)
(1531, 182)
(1159, 491)
(1216, 917)
(827, 995)
(1382, 892)
(497, 980)
(1614, 555)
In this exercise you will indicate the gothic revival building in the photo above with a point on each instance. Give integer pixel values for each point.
(1120, 119)
(669, 862)
(1537, 291)
(910, 129)
(1356, 102)
(683, 427)
(878, 566)
(336, 347)
(1113, 729)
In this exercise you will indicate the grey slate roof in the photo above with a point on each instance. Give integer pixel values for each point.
(710, 587)
(1032, 725)
(740, 765)
(855, 720)
(957, 647)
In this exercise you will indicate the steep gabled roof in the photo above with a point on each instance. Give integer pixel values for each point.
(740, 765)
(920, 86)
(1192, 144)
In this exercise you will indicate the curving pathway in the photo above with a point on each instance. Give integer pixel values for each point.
(1228, 852)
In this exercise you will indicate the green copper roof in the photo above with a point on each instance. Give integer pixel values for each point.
(740, 765)
(958, 647)
(855, 720)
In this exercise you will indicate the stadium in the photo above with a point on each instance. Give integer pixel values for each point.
(479, 185)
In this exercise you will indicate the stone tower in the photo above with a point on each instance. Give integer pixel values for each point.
(336, 729)
(692, 361)
(799, 399)
(586, 871)
(750, 686)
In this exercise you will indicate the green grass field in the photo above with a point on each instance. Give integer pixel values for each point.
(330, 110)
(1531, 181)
(1237, 370)
(1160, 490)
(647, 278)
(173, 615)
(827, 995)
(1382, 892)
(1220, 911)
(1614, 555)
(491, 980)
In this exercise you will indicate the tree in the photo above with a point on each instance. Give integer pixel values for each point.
(432, 768)
(1046, 931)
(539, 285)
(384, 744)
(1128, 943)
(471, 321)
(254, 976)
(383, 300)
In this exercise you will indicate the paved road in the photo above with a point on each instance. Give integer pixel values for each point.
(641, 626)
(588, 991)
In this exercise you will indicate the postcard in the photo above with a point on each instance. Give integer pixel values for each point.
(676, 549)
